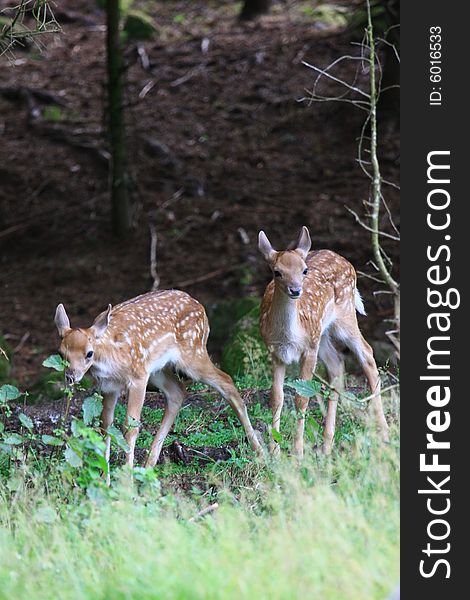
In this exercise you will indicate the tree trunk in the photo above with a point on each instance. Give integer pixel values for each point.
(254, 8)
(119, 178)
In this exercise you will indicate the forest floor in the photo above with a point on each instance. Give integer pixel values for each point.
(219, 147)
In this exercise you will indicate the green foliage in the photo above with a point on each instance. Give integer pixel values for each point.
(26, 421)
(329, 14)
(92, 407)
(53, 113)
(179, 19)
(56, 362)
(245, 352)
(138, 26)
(225, 315)
(51, 440)
(82, 463)
(8, 392)
(381, 20)
(326, 516)
(89, 540)
(307, 388)
(118, 438)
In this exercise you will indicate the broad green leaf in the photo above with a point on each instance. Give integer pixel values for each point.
(92, 407)
(9, 392)
(305, 388)
(276, 435)
(118, 438)
(6, 448)
(13, 439)
(26, 421)
(55, 361)
(313, 424)
(131, 422)
(76, 426)
(51, 440)
(72, 458)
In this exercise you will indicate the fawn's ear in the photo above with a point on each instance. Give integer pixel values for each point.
(61, 320)
(304, 243)
(264, 246)
(101, 322)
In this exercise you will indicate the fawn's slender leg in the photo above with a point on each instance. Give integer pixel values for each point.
(370, 369)
(206, 371)
(107, 417)
(365, 356)
(277, 401)
(174, 394)
(333, 361)
(307, 366)
(134, 409)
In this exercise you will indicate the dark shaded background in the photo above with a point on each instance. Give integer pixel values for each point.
(217, 142)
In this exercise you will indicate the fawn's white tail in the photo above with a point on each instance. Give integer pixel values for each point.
(359, 302)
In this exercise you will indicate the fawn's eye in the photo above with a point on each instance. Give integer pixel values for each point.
(89, 354)
(305, 271)
(277, 273)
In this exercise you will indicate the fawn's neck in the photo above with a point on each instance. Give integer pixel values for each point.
(284, 313)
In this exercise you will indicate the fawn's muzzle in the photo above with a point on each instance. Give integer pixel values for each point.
(69, 377)
(294, 292)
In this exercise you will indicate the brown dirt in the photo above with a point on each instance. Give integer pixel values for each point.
(219, 143)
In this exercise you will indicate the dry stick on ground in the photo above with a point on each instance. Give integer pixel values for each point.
(205, 511)
(367, 100)
(153, 258)
(343, 394)
(210, 275)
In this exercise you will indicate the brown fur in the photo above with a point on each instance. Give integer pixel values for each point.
(146, 338)
(307, 309)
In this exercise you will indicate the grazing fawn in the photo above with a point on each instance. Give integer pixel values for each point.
(307, 310)
(140, 340)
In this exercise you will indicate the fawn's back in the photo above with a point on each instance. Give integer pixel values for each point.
(149, 331)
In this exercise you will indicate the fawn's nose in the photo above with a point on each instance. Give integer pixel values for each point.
(69, 377)
(294, 292)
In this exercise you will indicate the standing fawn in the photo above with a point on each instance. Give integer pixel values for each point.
(140, 340)
(307, 309)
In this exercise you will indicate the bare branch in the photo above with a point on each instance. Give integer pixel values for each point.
(333, 78)
(153, 258)
(366, 227)
(390, 218)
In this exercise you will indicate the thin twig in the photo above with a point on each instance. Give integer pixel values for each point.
(205, 511)
(153, 258)
(367, 228)
(210, 275)
(333, 78)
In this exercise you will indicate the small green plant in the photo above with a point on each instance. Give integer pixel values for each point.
(53, 113)
(179, 19)
(245, 353)
(308, 388)
(78, 452)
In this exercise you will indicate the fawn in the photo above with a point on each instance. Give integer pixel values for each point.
(307, 310)
(140, 340)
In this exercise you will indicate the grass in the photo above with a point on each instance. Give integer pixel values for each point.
(327, 528)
